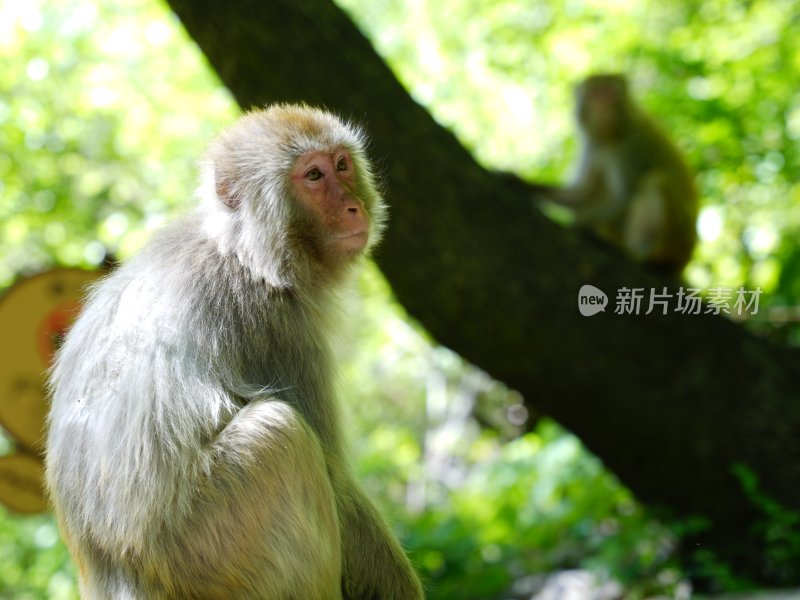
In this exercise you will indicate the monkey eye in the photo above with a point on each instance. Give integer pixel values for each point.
(313, 174)
(341, 165)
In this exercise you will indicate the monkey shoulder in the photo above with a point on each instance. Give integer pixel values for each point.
(147, 320)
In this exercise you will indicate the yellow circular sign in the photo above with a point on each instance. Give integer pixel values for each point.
(21, 483)
(34, 315)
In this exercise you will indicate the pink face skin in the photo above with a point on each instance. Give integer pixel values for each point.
(326, 184)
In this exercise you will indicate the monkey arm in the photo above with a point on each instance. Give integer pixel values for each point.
(374, 564)
(603, 209)
(266, 509)
(589, 202)
(553, 193)
(588, 188)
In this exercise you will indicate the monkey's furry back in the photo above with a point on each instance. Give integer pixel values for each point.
(171, 345)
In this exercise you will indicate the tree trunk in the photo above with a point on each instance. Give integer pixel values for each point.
(670, 403)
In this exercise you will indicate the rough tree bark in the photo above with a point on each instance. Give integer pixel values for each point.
(669, 403)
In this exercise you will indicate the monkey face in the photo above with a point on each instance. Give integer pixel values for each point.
(326, 188)
(602, 103)
(290, 191)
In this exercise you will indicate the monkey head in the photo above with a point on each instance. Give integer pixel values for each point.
(290, 192)
(603, 106)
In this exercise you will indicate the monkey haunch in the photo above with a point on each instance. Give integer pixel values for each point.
(631, 186)
(194, 445)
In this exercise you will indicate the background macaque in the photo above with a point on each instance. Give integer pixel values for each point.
(631, 185)
(194, 446)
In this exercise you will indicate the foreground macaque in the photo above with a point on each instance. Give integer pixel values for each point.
(194, 446)
(631, 185)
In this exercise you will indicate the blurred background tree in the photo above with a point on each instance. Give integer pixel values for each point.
(104, 108)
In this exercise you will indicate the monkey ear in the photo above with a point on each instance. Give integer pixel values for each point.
(225, 193)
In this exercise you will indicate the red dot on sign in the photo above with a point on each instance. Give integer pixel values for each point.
(54, 327)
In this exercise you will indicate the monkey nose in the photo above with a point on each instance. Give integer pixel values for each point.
(351, 207)
(347, 200)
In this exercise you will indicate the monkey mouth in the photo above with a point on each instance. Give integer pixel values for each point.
(352, 235)
(352, 242)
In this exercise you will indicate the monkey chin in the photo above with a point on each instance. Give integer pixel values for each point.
(341, 252)
(352, 243)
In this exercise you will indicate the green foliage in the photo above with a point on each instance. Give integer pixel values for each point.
(34, 564)
(779, 527)
(85, 90)
(718, 573)
(533, 505)
(105, 106)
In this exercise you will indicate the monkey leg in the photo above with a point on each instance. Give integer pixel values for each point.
(646, 223)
